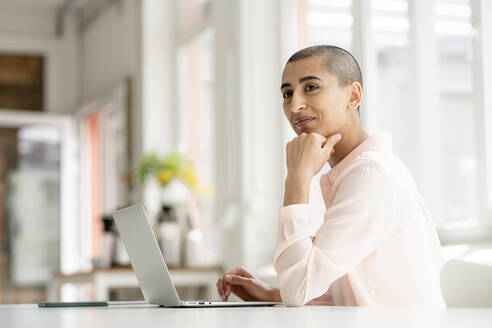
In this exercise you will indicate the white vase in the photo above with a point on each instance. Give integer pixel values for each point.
(175, 192)
(194, 248)
(170, 241)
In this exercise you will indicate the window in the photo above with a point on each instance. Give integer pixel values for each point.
(457, 112)
(196, 111)
(423, 88)
(196, 106)
(32, 200)
(328, 22)
(393, 110)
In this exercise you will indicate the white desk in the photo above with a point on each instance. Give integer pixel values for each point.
(104, 279)
(14, 316)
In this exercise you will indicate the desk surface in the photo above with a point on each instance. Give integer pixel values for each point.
(14, 316)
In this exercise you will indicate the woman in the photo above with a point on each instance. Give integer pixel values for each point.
(377, 244)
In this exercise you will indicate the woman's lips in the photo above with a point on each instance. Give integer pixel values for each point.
(303, 121)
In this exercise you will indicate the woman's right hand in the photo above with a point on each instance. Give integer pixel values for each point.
(246, 286)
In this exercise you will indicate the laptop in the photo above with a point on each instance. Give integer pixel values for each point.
(149, 264)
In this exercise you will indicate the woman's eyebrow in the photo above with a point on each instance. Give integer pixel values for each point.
(285, 85)
(309, 77)
(301, 80)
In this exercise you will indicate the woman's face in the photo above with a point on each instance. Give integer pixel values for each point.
(313, 99)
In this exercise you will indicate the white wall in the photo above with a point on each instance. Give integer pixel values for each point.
(79, 68)
(109, 49)
(27, 21)
(31, 30)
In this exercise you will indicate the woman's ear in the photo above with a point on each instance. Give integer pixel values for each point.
(355, 90)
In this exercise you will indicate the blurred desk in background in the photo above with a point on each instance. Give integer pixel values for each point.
(103, 280)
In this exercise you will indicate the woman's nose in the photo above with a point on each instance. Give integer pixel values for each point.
(297, 104)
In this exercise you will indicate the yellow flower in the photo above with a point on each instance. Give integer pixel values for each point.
(190, 176)
(164, 176)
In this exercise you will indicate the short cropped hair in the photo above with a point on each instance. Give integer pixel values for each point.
(338, 62)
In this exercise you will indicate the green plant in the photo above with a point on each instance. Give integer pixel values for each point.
(164, 169)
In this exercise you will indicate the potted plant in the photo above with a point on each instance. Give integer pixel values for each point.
(174, 173)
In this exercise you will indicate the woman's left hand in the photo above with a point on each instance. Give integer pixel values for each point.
(306, 156)
(308, 153)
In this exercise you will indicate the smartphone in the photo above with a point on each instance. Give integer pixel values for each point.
(71, 304)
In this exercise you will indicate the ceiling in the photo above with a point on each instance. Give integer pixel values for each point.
(32, 3)
(85, 10)
(42, 4)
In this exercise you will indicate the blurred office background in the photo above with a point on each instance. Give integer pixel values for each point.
(89, 87)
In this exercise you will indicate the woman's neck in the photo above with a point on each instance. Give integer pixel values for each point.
(351, 138)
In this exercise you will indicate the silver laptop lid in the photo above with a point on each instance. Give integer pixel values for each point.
(146, 256)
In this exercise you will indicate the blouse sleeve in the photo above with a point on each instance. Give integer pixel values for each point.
(360, 218)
